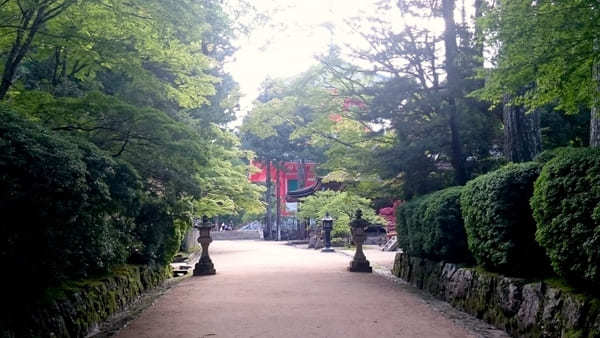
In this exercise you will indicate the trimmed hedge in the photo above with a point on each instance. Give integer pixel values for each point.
(566, 207)
(432, 227)
(499, 223)
(408, 227)
(547, 155)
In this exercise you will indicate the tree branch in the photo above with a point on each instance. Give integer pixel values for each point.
(123, 145)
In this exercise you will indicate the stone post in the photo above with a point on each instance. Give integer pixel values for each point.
(327, 227)
(318, 237)
(205, 265)
(358, 229)
(312, 238)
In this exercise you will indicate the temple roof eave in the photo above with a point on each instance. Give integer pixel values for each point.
(294, 195)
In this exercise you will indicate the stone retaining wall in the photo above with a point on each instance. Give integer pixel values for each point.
(77, 308)
(521, 308)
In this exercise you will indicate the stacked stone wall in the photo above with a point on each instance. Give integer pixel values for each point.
(520, 307)
(77, 308)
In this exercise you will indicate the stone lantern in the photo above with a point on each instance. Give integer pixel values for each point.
(327, 227)
(205, 265)
(358, 229)
(318, 236)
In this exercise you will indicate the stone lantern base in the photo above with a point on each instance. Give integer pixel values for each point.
(204, 267)
(360, 266)
(319, 243)
(312, 240)
(358, 226)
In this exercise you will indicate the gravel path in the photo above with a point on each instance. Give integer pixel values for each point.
(269, 289)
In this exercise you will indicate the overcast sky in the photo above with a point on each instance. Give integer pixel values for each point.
(287, 45)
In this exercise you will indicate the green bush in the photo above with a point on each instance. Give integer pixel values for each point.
(408, 227)
(341, 206)
(340, 230)
(499, 223)
(432, 227)
(339, 242)
(445, 237)
(566, 207)
(158, 235)
(67, 208)
(70, 211)
(546, 155)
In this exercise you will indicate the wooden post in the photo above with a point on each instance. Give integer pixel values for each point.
(278, 202)
(268, 219)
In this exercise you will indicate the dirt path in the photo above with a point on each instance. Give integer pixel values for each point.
(268, 289)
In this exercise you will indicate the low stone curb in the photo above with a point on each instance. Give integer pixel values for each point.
(520, 307)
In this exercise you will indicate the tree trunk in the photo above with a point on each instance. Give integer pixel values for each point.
(301, 174)
(278, 189)
(478, 32)
(595, 112)
(595, 125)
(15, 56)
(522, 133)
(31, 22)
(453, 84)
(458, 160)
(301, 181)
(267, 231)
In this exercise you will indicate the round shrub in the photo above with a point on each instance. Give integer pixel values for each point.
(432, 227)
(157, 234)
(499, 223)
(444, 236)
(566, 207)
(408, 227)
(546, 155)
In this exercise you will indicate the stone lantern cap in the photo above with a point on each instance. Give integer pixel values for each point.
(204, 224)
(358, 221)
(327, 222)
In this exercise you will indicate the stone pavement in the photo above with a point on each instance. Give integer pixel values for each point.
(269, 289)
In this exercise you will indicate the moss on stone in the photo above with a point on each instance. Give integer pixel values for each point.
(524, 308)
(72, 308)
(573, 334)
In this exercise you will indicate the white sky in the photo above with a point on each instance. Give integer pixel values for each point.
(287, 45)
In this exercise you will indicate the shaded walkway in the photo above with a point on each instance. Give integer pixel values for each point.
(268, 289)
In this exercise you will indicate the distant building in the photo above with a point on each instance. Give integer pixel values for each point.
(289, 180)
(294, 178)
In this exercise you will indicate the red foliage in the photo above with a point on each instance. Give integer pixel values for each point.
(389, 214)
(335, 117)
(350, 102)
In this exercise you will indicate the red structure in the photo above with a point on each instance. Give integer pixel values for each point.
(288, 178)
(389, 214)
